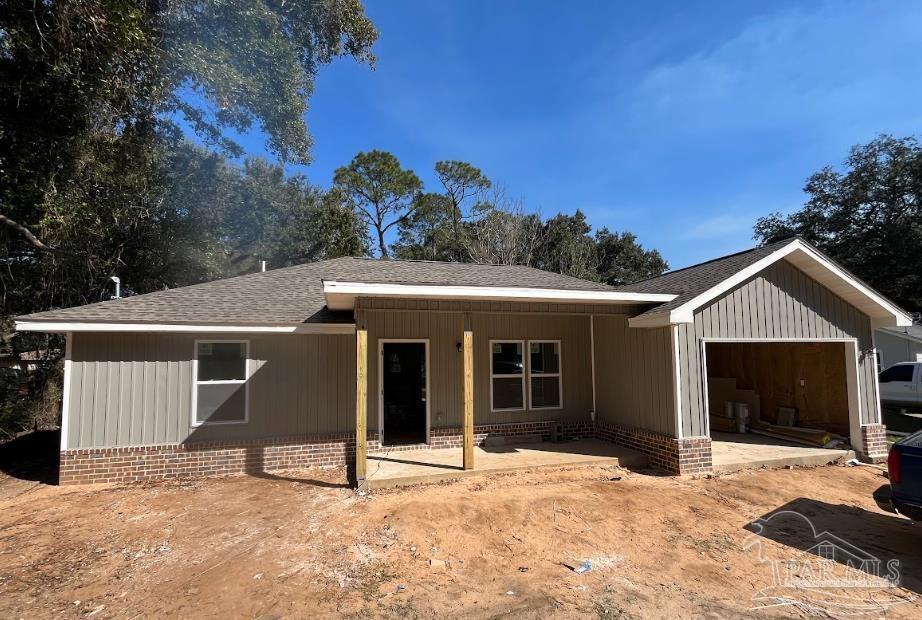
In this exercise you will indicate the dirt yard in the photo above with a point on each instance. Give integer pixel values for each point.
(302, 544)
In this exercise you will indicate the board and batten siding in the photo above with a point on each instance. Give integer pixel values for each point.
(635, 383)
(444, 331)
(136, 389)
(780, 302)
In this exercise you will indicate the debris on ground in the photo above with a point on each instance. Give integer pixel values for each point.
(657, 546)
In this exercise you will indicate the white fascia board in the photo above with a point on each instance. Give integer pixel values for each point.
(341, 295)
(659, 319)
(686, 312)
(302, 328)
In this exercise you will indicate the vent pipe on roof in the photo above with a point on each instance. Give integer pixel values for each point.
(118, 287)
(262, 265)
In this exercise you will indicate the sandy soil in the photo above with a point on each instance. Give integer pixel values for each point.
(301, 544)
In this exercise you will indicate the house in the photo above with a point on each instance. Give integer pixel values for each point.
(899, 344)
(324, 363)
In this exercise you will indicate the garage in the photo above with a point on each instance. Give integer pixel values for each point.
(791, 400)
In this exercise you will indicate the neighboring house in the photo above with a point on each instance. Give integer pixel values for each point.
(899, 344)
(321, 363)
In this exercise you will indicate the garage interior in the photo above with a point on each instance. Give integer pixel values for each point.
(771, 401)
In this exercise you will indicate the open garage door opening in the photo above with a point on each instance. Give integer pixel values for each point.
(795, 401)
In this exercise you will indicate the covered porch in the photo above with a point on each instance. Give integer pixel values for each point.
(410, 467)
(440, 385)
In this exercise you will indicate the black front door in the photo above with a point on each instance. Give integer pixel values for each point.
(403, 388)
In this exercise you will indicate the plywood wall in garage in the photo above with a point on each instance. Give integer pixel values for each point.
(807, 376)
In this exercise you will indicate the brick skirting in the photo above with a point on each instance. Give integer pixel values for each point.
(132, 464)
(874, 443)
(675, 456)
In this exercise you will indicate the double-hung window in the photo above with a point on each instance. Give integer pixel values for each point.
(220, 373)
(507, 375)
(519, 381)
(544, 381)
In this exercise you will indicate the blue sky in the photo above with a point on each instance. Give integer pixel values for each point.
(681, 122)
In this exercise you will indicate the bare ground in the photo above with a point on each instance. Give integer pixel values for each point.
(302, 544)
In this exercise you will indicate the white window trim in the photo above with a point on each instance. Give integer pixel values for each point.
(245, 381)
(558, 374)
(522, 376)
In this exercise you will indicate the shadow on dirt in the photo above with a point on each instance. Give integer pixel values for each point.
(33, 456)
(849, 535)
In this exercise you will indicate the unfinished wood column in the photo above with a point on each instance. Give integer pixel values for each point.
(361, 399)
(468, 346)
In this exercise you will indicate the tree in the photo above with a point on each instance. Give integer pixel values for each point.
(504, 234)
(621, 260)
(249, 62)
(381, 190)
(427, 233)
(868, 218)
(567, 248)
(462, 182)
(341, 232)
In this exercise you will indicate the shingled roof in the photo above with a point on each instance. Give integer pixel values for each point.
(294, 295)
(689, 282)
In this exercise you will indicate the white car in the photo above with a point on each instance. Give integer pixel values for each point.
(901, 385)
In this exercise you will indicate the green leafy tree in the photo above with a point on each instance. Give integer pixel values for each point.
(382, 191)
(462, 183)
(621, 260)
(340, 231)
(868, 217)
(566, 247)
(427, 233)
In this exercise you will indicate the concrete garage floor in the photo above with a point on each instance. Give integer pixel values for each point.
(404, 468)
(736, 451)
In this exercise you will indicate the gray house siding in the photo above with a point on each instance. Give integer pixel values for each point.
(634, 375)
(444, 330)
(136, 389)
(893, 349)
(779, 303)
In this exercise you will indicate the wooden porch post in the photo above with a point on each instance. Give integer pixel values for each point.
(468, 346)
(361, 399)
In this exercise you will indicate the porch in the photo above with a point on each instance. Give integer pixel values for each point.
(410, 467)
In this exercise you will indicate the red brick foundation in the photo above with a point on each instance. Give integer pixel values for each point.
(675, 456)
(132, 464)
(874, 443)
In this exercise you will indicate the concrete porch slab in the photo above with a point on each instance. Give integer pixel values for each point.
(737, 451)
(428, 466)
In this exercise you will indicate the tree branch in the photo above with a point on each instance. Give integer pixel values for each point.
(25, 232)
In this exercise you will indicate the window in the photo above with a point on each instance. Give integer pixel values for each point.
(507, 375)
(897, 374)
(220, 373)
(544, 382)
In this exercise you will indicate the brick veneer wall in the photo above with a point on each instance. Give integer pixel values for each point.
(675, 456)
(131, 464)
(874, 443)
